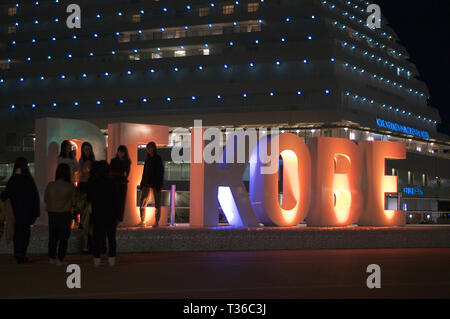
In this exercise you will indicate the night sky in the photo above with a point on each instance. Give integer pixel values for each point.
(423, 28)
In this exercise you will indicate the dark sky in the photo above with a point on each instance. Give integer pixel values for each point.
(423, 28)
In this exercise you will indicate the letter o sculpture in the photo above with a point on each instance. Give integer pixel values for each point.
(296, 183)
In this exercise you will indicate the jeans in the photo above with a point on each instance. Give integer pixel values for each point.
(102, 229)
(59, 233)
(145, 197)
(21, 240)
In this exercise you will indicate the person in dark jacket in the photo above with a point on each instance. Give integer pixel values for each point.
(21, 190)
(103, 197)
(120, 170)
(152, 180)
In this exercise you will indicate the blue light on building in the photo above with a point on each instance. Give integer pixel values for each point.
(412, 191)
(402, 129)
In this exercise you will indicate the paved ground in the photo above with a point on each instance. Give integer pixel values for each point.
(405, 273)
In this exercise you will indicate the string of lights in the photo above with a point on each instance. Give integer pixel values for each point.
(245, 95)
(251, 64)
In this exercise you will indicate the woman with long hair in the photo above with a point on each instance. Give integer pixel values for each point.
(21, 190)
(60, 197)
(85, 164)
(151, 182)
(86, 159)
(120, 170)
(67, 156)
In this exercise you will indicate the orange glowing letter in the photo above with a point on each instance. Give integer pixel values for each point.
(132, 135)
(296, 178)
(337, 197)
(50, 132)
(378, 184)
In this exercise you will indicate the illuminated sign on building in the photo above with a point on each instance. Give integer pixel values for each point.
(412, 191)
(333, 182)
(402, 128)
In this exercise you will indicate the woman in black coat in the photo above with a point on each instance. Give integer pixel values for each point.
(103, 197)
(21, 190)
(120, 170)
(152, 182)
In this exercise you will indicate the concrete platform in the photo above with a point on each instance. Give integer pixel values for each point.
(226, 238)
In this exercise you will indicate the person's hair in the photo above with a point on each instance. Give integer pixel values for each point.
(102, 169)
(153, 145)
(64, 145)
(91, 156)
(63, 172)
(124, 149)
(22, 163)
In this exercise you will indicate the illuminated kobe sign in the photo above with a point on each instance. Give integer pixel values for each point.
(402, 128)
(330, 182)
(333, 182)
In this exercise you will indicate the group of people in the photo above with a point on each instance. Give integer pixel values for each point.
(95, 203)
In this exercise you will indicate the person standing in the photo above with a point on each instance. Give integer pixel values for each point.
(60, 197)
(21, 190)
(103, 197)
(67, 156)
(151, 182)
(87, 158)
(120, 170)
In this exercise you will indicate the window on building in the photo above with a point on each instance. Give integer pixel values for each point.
(410, 178)
(253, 7)
(205, 51)
(136, 18)
(4, 65)
(11, 30)
(12, 11)
(228, 9)
(203, 11)
(180, 34)
(352, 136)
(135, 57)
(180, 53)
(156, 55)
(253, 28)
(424, 180)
